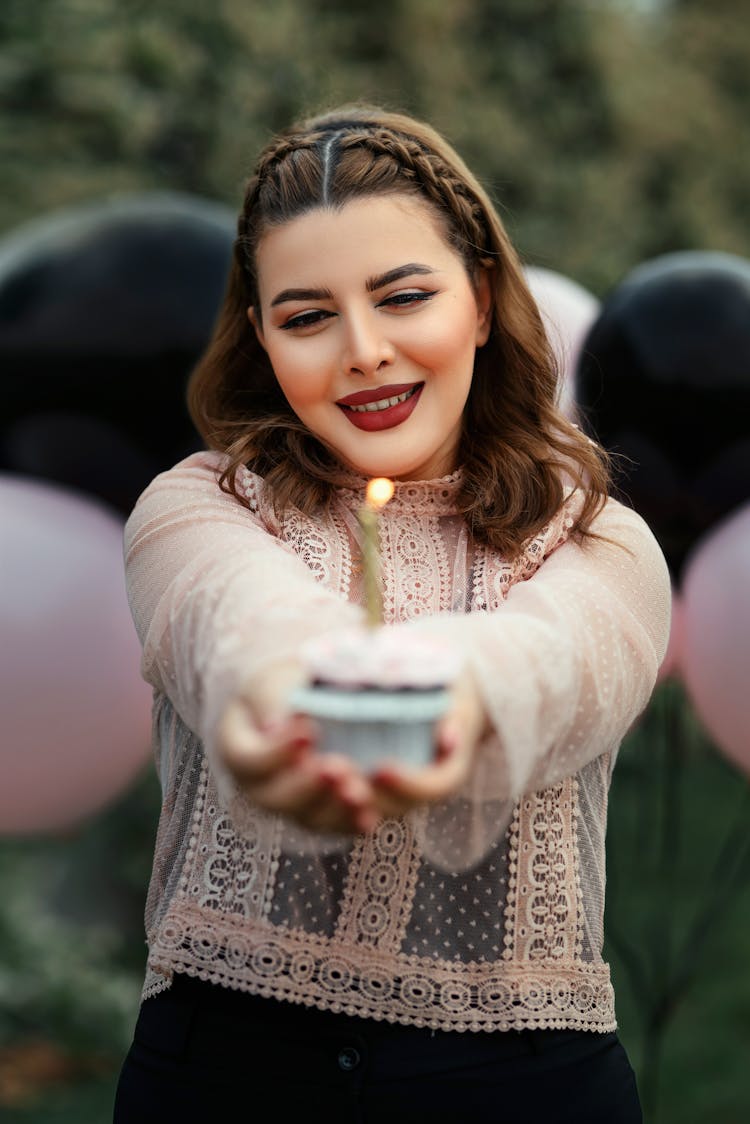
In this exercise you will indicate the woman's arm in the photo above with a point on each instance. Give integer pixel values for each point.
(219, 603)
(566, 664)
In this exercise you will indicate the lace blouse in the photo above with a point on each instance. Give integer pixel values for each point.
(482, 913)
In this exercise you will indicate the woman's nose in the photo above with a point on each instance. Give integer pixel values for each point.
(367, 348)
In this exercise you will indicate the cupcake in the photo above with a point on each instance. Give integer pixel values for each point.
(378, 694)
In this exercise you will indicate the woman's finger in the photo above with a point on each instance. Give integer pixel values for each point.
(456, 736)
(303, 797)
(267, 695)
(289, 790)
(397, 786)
(251, 754)
(319, 791)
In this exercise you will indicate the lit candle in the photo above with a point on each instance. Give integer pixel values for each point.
(379, 491)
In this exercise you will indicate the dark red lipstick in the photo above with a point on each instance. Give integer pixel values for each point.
(386, 417)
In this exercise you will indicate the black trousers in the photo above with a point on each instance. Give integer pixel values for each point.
(201, 1053)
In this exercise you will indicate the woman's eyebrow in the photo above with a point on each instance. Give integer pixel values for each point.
(397, 274)
(409, 270)
(302, 295)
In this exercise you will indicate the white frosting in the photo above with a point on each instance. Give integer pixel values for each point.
(384, 658)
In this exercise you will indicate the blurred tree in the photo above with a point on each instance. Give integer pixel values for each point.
(608, 132)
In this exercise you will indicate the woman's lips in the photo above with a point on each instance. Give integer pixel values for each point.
(377, 394)
(386, 417)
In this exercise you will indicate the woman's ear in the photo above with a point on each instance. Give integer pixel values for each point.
(254, 319)
(483, 295)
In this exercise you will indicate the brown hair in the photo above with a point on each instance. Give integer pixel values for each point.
(515, 444)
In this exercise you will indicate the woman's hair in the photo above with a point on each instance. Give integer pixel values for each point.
(516, 447)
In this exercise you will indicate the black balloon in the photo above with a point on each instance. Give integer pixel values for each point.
(104, 310)
(82, 452)
(664, 381)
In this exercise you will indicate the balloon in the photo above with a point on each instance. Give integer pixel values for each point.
(81, 452)
(664, 378)
(568, 311)
(75, 711)
(670, 665)
(716, 635)
(104, 310)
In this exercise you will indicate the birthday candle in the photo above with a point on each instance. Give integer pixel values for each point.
(379, 491)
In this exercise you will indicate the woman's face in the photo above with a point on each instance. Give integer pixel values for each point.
(370, 322)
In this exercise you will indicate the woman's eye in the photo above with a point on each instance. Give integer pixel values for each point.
(306, 319)
(403, 300)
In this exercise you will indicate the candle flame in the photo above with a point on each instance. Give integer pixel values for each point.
(379, 491)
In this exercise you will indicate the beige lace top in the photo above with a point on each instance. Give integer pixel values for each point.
(483, 913)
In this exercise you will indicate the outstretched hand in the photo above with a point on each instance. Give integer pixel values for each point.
(274, 758)
(398, 789)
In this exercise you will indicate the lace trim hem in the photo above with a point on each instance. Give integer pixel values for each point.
(414, 991)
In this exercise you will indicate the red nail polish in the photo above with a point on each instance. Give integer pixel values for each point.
(448, 742)
(365, 822)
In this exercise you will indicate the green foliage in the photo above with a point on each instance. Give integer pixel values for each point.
(86, 1102)
(678, 909)
(607, 135)
(71, 930)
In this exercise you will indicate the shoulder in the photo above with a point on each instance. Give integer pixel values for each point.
(617, 536)
(622, 526)
(193, 484)
(201, 470)
(550, 538)
(621, 549)
(614, 520)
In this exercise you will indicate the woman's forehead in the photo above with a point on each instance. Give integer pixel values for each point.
(364, 237)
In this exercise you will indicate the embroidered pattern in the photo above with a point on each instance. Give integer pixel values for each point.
(434, 498)
(380, 888)
(226, 871)
(314, 548)
(416, 571)
(416, 991)
(543, 922)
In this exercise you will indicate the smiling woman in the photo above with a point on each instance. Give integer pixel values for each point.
(321, 933)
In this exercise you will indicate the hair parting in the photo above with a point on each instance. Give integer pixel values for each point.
(325, 196)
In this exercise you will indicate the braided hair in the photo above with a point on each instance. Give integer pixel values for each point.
(515, 448)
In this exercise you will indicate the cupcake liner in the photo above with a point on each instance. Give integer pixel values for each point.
(371, 725)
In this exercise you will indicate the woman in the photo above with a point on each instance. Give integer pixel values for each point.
(321, 940)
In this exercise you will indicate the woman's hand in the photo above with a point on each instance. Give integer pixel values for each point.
(398, 789)
(272, 757)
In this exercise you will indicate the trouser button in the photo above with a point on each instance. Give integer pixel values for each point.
(349, 1058)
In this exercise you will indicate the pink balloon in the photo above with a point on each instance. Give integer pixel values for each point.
(670, 666)
(568, 311)
(75, 711)
(716, 638)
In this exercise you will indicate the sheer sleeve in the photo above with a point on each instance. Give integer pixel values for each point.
(215, 595)
(568, 661)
